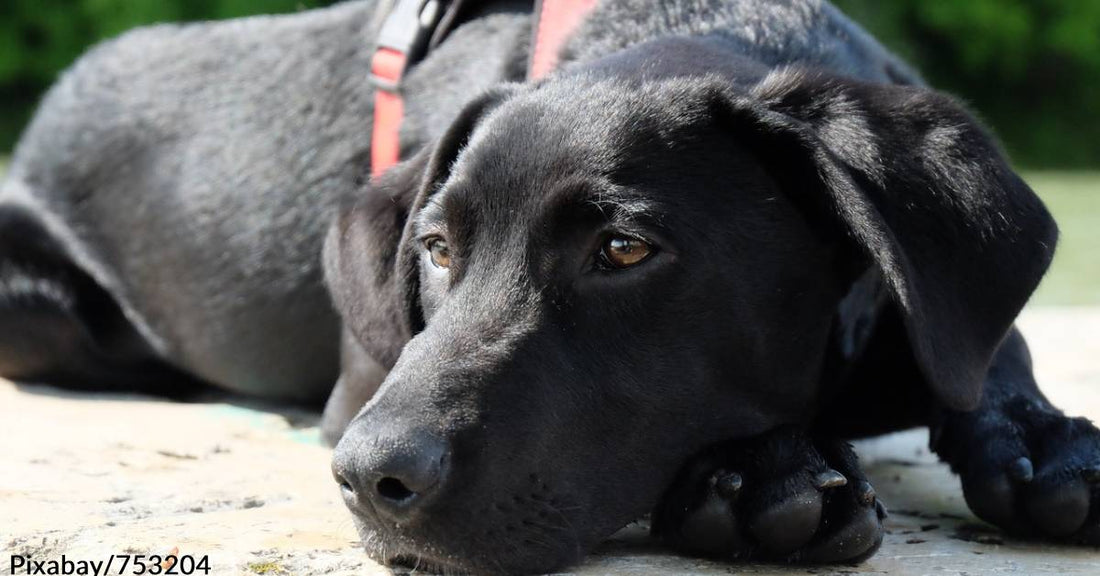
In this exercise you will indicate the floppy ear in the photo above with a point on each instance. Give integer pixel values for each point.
(370, 257)
(926, 194)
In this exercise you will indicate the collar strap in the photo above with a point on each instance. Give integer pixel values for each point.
(556, 20)
(415, 26)
(403, 39)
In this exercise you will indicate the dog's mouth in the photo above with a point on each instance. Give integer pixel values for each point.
(404, 554)
(409, 562)
(532, 532)
(398, 552)
(413, 563)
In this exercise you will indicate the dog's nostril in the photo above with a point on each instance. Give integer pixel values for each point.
(343, 482)
(395, 477)
(394, 489)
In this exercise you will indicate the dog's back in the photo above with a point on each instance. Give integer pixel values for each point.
(775, 33)
(189, 172)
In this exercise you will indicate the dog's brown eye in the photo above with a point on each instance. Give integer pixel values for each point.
(439, 251)
(623, 251)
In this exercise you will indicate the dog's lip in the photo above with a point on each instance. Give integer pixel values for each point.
(392, 549)
(409, 555)
(385, 544)
(428, 564)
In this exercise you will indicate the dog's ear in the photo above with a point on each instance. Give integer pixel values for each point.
(370, 257)
(925, 193)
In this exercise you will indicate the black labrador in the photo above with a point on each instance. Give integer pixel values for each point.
(725, 236)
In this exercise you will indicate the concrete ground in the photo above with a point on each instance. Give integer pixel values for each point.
(89, 475)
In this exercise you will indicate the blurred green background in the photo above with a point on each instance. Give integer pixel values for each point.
(39, 38)
(1030, 68)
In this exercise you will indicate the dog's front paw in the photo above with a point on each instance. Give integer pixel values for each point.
(1027, 468)
(780, 496)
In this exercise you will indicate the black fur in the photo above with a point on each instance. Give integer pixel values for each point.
(192, 171)
(838, 251)
(57, 324)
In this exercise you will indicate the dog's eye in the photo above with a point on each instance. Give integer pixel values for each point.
(439, 251)
(624, 251)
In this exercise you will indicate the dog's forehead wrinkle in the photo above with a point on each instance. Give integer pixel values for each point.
(615, 203)
(622, 207)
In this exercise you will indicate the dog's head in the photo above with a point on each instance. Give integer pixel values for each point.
(585, 282)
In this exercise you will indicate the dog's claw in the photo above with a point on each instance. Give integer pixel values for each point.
(865, 493)
(830, 479)
(1021, 470)
(728, 484)
(880, 510)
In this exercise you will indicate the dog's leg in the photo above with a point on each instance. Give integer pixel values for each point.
(780, 496)
(58, 326)
(1024, 465)
(360, 378)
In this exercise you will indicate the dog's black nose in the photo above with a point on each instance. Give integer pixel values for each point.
(394, 475)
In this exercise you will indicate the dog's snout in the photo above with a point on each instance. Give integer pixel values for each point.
(393, 475)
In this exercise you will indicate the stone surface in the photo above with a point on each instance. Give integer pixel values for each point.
(88, 475)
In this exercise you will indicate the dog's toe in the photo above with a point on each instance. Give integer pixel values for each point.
(992, 499)
(712, 526)
(854, 530)
(1060, 508)
(789, 524)
(697, 514)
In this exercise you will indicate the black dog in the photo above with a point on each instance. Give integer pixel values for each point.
(724, 234)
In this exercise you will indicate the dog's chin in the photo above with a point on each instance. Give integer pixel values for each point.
(416, 563)
(442, 555)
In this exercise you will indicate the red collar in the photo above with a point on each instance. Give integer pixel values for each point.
(413, 25)
(555, 20)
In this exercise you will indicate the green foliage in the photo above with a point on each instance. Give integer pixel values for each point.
(39, 38)
(1031, 68)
